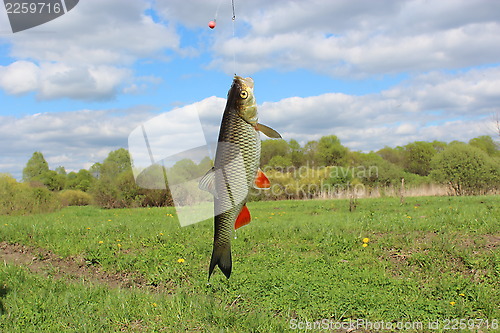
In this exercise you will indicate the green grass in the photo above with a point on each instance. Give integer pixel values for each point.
(300, 260)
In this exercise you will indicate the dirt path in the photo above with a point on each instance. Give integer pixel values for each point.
(75, 269)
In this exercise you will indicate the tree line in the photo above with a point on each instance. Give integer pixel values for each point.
(466, 168)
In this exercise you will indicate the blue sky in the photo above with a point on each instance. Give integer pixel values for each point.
(381, 73)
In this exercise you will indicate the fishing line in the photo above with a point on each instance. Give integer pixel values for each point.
(217, 11)
(213, 23)
(234, 36)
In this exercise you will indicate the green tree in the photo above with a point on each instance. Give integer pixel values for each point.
(297, 157)
(61, 170)
(205, 165)
(271, 148)
(184, 170)
(373, 170)
(418, 156)
(71, 180)
(280, 162)
(340, 177)
(393, 155)
(95, 170)
(52, 180)
(311, 153)
(466, 169)
(82, 180)
(153, 184)
(35, 168)
(439, 146)
(115, 187)
(117, 161)
(22, 198)
(486, 144)
(331, 151)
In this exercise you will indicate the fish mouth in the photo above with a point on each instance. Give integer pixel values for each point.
(245, 82)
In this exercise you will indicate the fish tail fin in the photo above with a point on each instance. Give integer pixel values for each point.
(221, 256)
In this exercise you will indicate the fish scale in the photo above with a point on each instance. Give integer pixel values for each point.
(236, 164)
(239, 140)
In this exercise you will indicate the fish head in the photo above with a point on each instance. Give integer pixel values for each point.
(243, 99)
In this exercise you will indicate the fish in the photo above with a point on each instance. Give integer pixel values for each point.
(235, 170)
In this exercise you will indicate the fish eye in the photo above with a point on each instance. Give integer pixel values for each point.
(244, 94)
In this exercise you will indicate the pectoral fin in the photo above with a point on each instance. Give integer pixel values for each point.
(261, 181)
(242, 219)
(207, 183)
(268, 131)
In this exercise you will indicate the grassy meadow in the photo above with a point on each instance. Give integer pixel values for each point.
(429, 259)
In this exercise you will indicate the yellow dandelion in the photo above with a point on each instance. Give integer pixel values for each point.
(100, 242)
(154, 305)
(109, 220)
(161, 234)
(366, 240)
(5, 224)
(180, 260)
(415, 207)
(452, 303)
(365, 245)
(461, 295)
(119, 245)
(88, 228)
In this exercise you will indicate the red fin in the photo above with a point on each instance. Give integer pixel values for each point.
(261, 180)
(242, 219)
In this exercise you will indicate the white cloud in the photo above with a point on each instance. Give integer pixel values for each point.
(470, 92)
(86, 53)
(57, 80)
(68, 138)
(360, 38)
(96, 33)
(78, 139)
(19, 77)
(435, 106)
(348, 39)
(394, 117)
